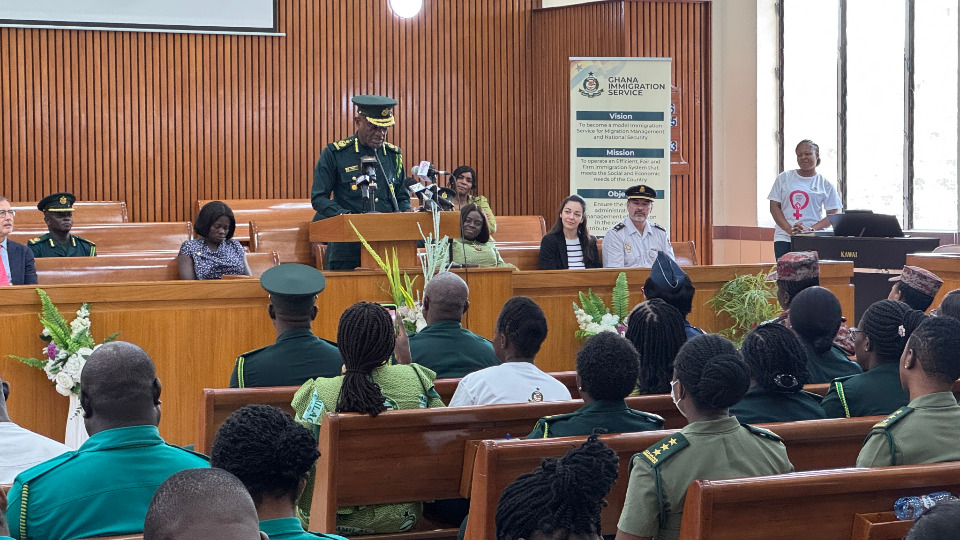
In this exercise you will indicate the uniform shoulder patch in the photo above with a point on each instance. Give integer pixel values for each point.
(36, 240)
(841, 379)
(619, 226)
(392, 147)
(85, 240)
(760, 432)
(664, 449)
(248, 354)
(343, 143)
(653, 418)
(897, 415)
(656, 226)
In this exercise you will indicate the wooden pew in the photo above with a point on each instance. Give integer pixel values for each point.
(526, 256)
(127, 267)
(446, 387)
(247, 210)
(804, 505)
(520, 229)
(498, 463)
(121, 237)
(290, 239)
(84, 212)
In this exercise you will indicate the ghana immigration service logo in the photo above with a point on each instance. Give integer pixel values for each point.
(591, 86)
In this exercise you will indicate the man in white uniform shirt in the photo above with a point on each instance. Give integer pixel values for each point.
(635, 242)
(21, 448)
(520, 330)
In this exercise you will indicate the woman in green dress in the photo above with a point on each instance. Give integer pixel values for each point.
(475, 247)
(464, 181)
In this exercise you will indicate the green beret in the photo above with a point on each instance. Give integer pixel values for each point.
(377, 109)
(293, 280)
(57, 202)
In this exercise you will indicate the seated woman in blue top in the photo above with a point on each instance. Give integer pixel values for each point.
(475, 247)
(777, 365)
(215, 253)
(569, 243)
(815, 317)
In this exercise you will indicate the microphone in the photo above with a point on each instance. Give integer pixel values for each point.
(369, 166)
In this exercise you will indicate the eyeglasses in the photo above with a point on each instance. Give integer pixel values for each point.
(854, 332)
(5, 213)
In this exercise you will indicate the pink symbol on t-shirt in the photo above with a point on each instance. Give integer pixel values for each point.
(799, 200)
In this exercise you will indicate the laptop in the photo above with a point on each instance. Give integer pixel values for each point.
(864, 223)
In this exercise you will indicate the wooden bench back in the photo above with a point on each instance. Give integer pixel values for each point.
(127, 267)
(84, 212)
(498, 463)
(522, 229)
(277, 210)
(446, 387)
(290, 239)
(121, 237)
(799, 506)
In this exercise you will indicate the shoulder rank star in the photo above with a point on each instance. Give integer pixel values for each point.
(627, 247)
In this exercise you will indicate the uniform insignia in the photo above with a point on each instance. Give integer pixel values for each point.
(34, 241)
(627, 247)
(546, 420)
(351, 168)
(760, 432)
(536, 396)
(655, 226)
(63, 200)
(353, 187)
(391, 147)
(665, 448)
(893, 418)
(385, 113)
(619, 226)
(653, 418)
(343, 143)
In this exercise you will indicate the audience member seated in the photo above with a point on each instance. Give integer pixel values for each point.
(562, 498)
(777, 365)
(4, 530)
(298, 355)
(709, 377)
(607, 371)
(938, 523)
(569, 243)
(444, 345)
(58, 242)
(915, 287)
(927, 430)
(475, 247)
(211, 504)
(519, 332)
(670, 283)
(815, 317)
(272, 455)
(884, 330)
(366, 338)
(950, 305)
(104, 487)
(16, 259)
(215, 253)
(656, 330)
(464, 182)
(21, 448)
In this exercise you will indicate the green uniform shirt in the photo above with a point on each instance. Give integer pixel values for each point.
(926, 431)
(828, 366)
(101, 489)
(760, 405)
(46, 246)
(874, 392)
(711, 450)
(335, 173)
(297, 356)
(613, 416)
(290, 529)
(451, 350)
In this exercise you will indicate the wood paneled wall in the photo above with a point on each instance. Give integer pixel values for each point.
(160, 120)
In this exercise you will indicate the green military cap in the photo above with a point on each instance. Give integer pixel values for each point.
(57, 202)
(377, 109)
(293, 280)
(641, 192)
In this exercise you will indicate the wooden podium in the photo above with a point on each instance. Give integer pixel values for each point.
(384, 232)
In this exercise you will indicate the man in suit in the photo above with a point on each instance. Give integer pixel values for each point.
(16, 260)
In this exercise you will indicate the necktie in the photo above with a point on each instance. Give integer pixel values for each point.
(4, 280)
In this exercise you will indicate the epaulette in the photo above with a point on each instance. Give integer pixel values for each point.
(619, 226)
(655, 226)
(653, 418)
(392, 147)
(248, 354)
(36, 240)
(343, 143)
(893, 418)
(37, 471)
(85, 240)
(664, 449)
(760, 432)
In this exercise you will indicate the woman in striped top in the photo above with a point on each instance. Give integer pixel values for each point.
(569, 244)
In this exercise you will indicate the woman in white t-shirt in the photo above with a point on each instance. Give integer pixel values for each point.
(798, 198)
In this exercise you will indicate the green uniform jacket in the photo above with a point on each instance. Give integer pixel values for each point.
(613, 416)
(451, 350)
(336, 170)
(926, 431)
(45, 246)
(760, 405)
(711, 450)
(874, 392)
(828, 366)
(101, 489)
(297, 356)
(290, 529)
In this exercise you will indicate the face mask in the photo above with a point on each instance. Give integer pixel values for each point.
(672, 395)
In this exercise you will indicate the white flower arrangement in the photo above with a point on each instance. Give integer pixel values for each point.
(594, 317)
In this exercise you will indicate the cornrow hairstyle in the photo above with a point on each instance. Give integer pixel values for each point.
(655, 328)
(888, 324)
(209, 214)
(815, 317)
(712, 371)
(365, 338)
(524, 325)
(950, 305)
(484, 235)
(816, 148)
(562, 497)
(266, 449)
(681, 298)
(775, 358)
(608, 366)
(935, 343)
(913, 298)
(791, 288)
(583, 231)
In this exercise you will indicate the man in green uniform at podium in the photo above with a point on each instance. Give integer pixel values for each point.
(58, 242)
(348, 168)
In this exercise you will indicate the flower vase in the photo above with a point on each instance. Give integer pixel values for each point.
(76, 430)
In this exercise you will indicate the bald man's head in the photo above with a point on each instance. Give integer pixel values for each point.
(119, 388)
(445, 298)
(202, 503)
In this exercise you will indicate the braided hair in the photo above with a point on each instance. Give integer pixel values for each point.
(913, 297)
(365, 338)
(950, 305)
(712, 371)
(815, 317)
(266, 449)
(524, 325)
(888, 324)
(775, 358)
(792, 288)
(608, 366)
(656, 330)
(562, 497)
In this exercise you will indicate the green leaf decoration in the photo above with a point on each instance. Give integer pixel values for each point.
(53, 320)
(32, 362)
(621, 297)
(749, 300)
(111, 337)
